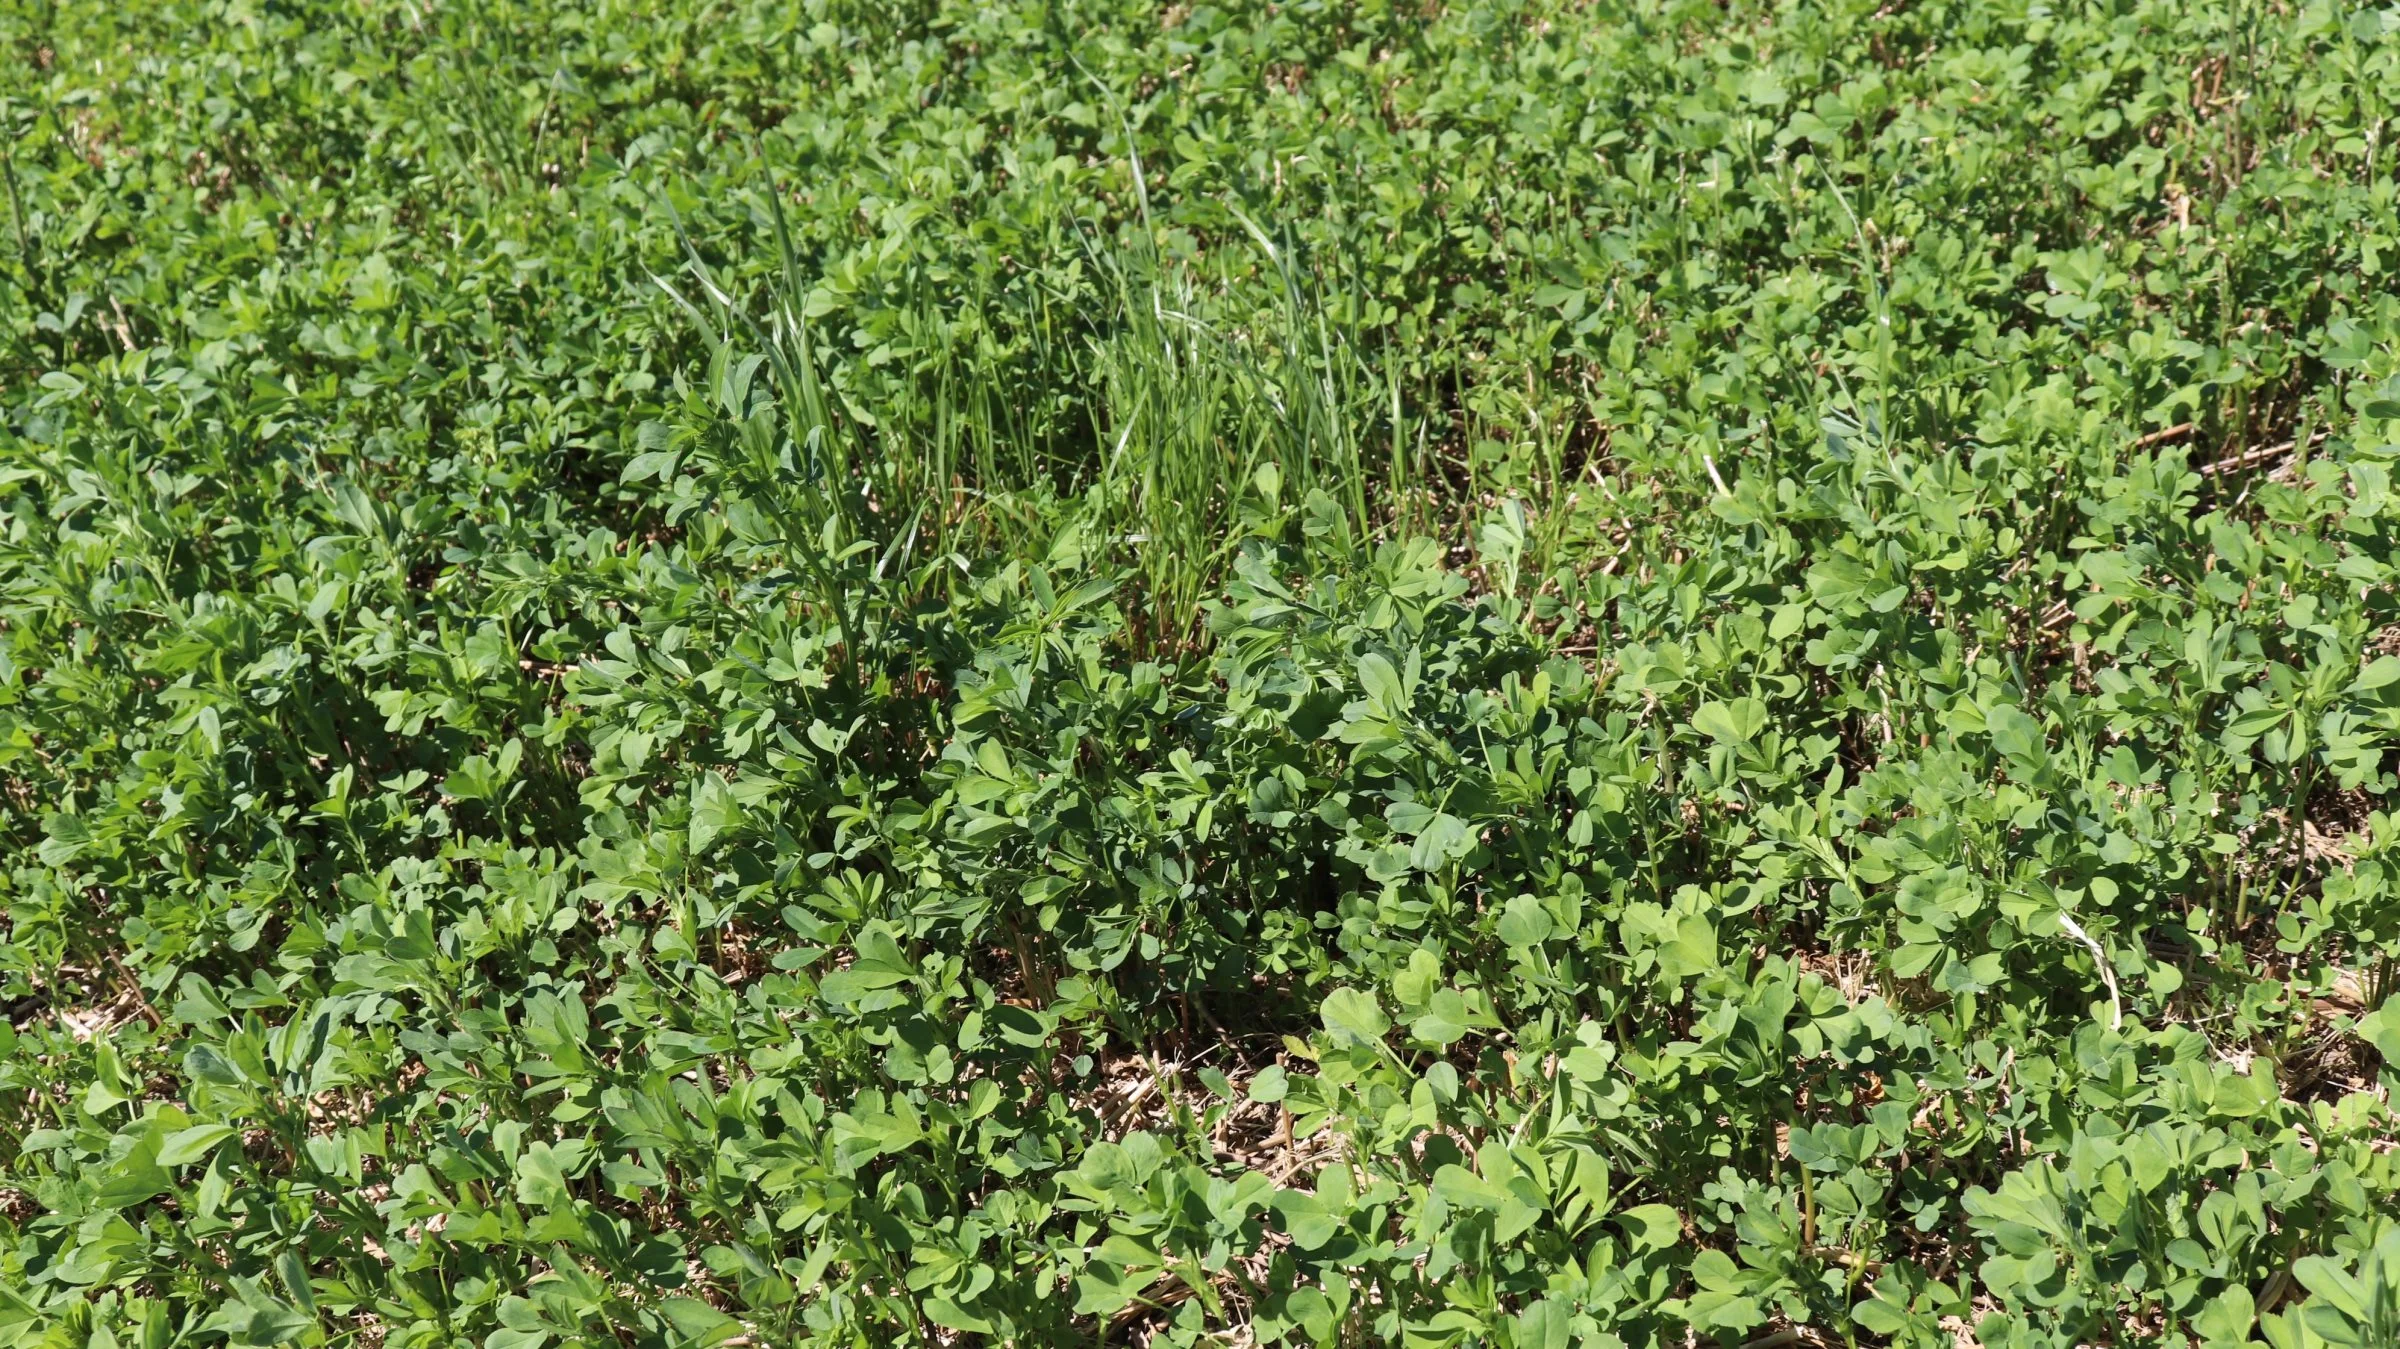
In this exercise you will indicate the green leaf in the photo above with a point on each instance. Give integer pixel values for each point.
(1546, 1323)
(1445, 1020)
(186, 1146)
(1651, 1227)
(1691, 950)
(2016, 736)
(2326, 1279)
(696, 1323)
(257, 1321)
(541, 1175)
(203, 1064)
(1731, 723)
(950, 1316)
(2226, 1319)
(1445, 839)
(1381, 683)
(2381, 1028)
(1524, 923)
(1352, 1015)
(715, 812)
(2380, 672)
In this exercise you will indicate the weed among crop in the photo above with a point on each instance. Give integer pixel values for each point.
(1493, 674)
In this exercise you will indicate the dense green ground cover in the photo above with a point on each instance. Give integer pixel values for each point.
(1506, 672)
